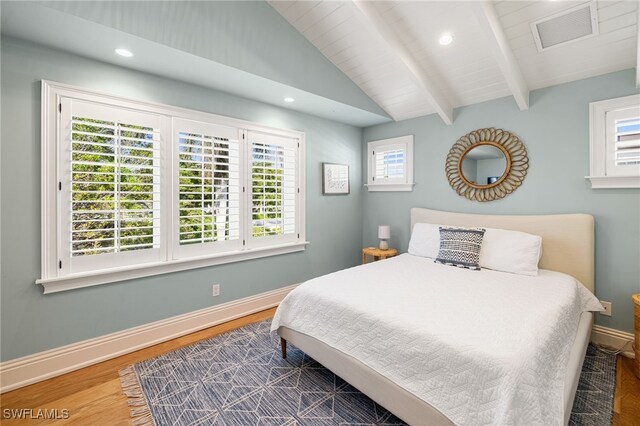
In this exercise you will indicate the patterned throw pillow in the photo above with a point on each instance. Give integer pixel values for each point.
(460, 247)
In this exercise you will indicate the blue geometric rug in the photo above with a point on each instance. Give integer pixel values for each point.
(593, 404)
(239, 378)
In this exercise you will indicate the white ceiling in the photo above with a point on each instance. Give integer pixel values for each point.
(391, 50)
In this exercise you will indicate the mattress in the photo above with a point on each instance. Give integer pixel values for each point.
(481, 347)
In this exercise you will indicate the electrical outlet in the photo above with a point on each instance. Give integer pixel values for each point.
(607, 308)
(216, 290)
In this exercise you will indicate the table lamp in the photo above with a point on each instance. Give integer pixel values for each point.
(384, 233)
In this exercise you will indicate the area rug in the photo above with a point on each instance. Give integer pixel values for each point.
(593, 405)
(239, 378)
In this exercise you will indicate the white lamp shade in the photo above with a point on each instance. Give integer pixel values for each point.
(384, 232)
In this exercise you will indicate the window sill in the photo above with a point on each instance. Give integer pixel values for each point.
(390, 187)
(88, 279)
(603, 182)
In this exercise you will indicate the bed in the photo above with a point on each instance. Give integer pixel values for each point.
(471, 347)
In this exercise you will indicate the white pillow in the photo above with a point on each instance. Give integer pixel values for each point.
(425, 240)
(511, 251)
(502, 250)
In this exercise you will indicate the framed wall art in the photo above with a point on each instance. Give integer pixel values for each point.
(335, 179)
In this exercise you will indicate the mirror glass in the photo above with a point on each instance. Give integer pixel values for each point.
(483, 165)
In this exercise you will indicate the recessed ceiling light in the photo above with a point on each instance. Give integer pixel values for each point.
(124, 52)
(445, 39)
(289, 99)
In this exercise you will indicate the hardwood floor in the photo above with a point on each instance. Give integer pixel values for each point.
(626, 403)
(93, 395)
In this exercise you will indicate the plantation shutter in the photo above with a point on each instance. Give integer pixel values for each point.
(110, 186)
(208, 182)
(623, 142)
(389, 164)
(273, 195)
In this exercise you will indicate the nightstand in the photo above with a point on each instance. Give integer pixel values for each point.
(377, 254)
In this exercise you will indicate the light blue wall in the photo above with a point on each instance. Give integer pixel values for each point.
(33, 322)
(247, 35)
(556, 132)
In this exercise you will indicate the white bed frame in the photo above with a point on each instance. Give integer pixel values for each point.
(567, 246)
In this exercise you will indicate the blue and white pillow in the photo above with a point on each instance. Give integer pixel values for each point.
(460, 247)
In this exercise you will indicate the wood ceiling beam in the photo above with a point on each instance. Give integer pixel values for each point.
(494, 34)
(366, 13)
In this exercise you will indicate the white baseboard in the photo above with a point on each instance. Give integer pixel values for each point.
(613, 338)
(44, 365)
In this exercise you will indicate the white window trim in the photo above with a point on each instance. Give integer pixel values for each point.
(408, 183)
(51, 93)
(89, 279)
(598, 144)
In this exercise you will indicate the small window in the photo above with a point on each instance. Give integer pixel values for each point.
(624, 146)
(132, 189)
(615, 143)
(390, 165)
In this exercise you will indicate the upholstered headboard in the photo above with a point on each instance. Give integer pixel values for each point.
(567, 239)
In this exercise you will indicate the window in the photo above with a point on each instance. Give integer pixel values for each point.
(615, 143)
(390, 165)
(273, 188)
(207, 205)
(110, 168)
(132, 189)
(623, 144)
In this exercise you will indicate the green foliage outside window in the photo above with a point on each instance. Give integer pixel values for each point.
(267, 183)
(112, 187)
(204, 189)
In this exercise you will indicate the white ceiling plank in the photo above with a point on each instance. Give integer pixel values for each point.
(298, 9)
(334, 35)
(316, 15)
(490, 24)
(327, 25)
(465, 72)
(369, 17)
(607, 10)
(485, 96)
(613, 24)
(507, 7)
(638, 46)
(558, 78)
(523, 28)
(460, 70)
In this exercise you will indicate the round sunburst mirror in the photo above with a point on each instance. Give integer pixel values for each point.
(487, 164)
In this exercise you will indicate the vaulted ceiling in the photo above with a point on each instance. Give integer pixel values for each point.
(391, 49)
(357, 62)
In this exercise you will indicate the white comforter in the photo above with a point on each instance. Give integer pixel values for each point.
(482, 347)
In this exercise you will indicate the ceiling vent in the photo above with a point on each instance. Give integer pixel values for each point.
(566, 27)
